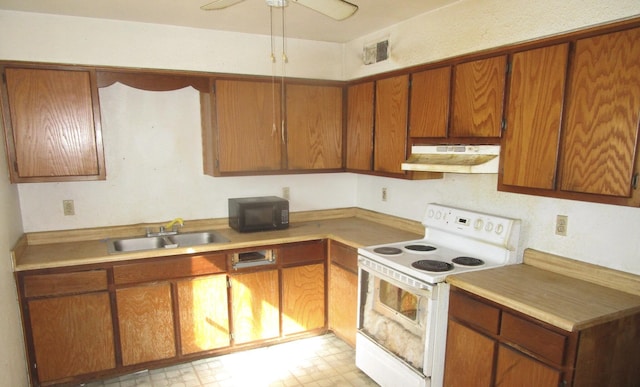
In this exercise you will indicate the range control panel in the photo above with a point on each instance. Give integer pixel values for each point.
(489, 228)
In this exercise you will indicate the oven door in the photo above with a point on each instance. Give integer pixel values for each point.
(399, 318)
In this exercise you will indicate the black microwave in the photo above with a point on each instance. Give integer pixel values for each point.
(261, 213)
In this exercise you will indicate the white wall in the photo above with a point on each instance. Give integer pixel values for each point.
(12, 356)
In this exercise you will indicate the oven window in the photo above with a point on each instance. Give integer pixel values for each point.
(398, 299)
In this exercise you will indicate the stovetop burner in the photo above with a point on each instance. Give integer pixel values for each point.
(421, 248)
(432, 265)
(388, 250)
(468, 261)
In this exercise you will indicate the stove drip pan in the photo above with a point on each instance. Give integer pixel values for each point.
(420, 248)
(432, 265)
(468, 261)
(387, 250)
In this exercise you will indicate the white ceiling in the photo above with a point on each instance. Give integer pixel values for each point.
(250, 16)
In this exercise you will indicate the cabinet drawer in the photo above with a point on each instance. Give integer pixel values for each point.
(474, 312)
(155, 270)
(344, 256)
(533, 337)
(64, 283)
(303, 252)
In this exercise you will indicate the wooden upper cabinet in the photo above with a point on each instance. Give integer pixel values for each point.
(429, 113)
(52, 125)
(248, 126)
(603, 112)
(360, 126)
(390, 144)
(534, 114)
(314, 127)
(478, 93)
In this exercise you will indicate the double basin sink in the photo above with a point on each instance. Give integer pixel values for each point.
(188, 239)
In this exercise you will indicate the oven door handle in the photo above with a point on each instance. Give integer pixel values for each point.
(403, 280)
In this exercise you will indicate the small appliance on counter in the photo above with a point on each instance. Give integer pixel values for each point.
(262, 213)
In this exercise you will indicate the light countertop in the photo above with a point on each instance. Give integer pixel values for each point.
(567, 302)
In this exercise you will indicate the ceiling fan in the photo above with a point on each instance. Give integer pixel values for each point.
(335, 9)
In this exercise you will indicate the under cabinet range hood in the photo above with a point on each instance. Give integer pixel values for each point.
(453, 158)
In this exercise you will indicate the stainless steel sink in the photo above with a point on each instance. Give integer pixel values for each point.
(124, 245)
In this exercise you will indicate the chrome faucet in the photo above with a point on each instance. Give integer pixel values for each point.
(170, 228)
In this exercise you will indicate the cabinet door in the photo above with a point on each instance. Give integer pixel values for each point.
(468, 358)
(303, 300)
(516, 369)
(390, 145)
(534, 113)
(343, 303)
(603, 112)
(430, 91)
(72, 335)
(255, 306)
(248, 126)
(51, 125)
(478, 95)
(204, 313)
(360, 127)
(145, 319)
(314, 127)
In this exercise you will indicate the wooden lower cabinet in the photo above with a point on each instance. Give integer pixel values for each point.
(490, 345)
(145, 317)
(343, 291)
(468, 357)
(72, 335)
(516, 369)
(255, 306)
(302, 298)
(91, 322)
(203, 313)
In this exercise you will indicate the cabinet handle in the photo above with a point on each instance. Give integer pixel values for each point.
(634, 181)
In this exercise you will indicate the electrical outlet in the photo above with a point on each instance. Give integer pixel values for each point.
(286, 193)
(562, 222)
(384, 194)
(68, 207)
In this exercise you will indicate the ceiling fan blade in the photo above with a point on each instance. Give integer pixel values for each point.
(219, 4)
(335, 9)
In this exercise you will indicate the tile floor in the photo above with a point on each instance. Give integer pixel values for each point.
(317, 361)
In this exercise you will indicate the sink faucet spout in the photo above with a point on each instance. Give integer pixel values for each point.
(173, 225)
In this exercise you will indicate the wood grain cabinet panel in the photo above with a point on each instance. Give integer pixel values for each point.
(72, 335)
(360, 126)
(603, 111)
(303, 298)
(38, 285)
(248, 126)
(430, 95)
(204, 314)
(534, 114)
(343, 303)
(468, 358)
(314, 127)
(391, 119)
(516, 369)
(52, 124)
(145, 317)
(478, 94)
(255, 304)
